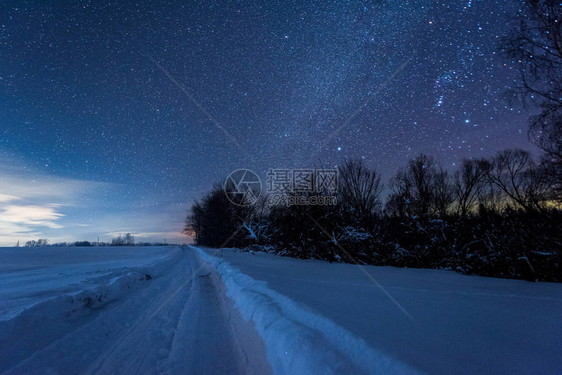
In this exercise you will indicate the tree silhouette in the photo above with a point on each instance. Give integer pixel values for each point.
(536, 47)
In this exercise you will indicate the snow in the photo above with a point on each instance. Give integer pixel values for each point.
(174, 310)
(32, 275)
(176, 321)
(461, 324)
(299, 341)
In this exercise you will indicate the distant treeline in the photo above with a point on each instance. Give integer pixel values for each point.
(126, 240)
(496, 217)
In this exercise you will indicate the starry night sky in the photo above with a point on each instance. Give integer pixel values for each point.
(96, 138)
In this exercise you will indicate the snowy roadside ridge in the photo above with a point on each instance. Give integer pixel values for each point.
(57, 316)
(119, 282)
(297, 339)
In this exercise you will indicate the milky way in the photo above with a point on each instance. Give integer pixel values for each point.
(123, 93)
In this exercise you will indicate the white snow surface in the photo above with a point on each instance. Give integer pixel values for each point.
(32, 275)
(321, 314)
(103, 315)
(297, 340)
(171, 310)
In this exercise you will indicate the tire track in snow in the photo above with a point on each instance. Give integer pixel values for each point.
(191, 332)
(136, 350)
(212, 337)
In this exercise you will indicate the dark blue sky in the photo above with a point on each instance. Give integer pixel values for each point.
(96, 138)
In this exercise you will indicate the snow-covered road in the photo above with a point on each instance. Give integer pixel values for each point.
(461, 324)
(176, 322)
(200, 311)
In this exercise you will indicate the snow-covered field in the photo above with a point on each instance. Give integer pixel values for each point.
(32, 275)
(189, 310)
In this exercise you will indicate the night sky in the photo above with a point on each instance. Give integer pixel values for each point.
(114, 117)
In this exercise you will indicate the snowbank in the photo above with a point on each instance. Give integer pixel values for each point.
(461, 324)
(29, 276)
(297, 340)
(46, 319)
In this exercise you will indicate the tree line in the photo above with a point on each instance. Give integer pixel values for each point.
(498, 217)
(121, 240)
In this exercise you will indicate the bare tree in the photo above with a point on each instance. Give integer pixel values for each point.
(420, 190)
(536, 47)
(42, 242)
(399, 201)
(468, 183)
(442, 193)
(360, 189)
(422, 172)
(213, 219)
(490, 198)
(514, 172)
(194, 222)
(129, 239)
(253, 219)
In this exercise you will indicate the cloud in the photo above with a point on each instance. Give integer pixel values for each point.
(33, 203)
(23, 184)
(37, 205)
(31, 215)
(7, 198)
